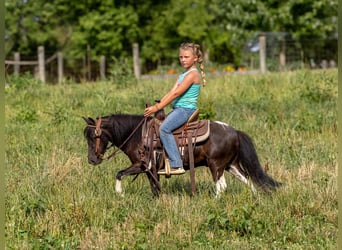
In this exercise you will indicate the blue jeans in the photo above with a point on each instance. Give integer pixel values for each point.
(176, 118)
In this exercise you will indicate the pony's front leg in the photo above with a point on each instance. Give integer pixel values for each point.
(134, 169)
(118, 187)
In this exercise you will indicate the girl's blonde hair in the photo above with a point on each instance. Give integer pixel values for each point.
(196, 49)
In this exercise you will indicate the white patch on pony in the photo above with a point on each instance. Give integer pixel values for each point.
(252, 187)
(118, 187)
(234, 171)
(150, 165)
(221, 185)
(222, 123)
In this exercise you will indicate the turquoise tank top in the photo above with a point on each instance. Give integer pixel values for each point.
(189, 98)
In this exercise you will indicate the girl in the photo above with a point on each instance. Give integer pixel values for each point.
(184, 96)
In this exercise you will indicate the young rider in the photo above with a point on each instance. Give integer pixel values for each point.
(184, 96)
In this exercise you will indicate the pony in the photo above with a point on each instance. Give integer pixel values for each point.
(226, 149)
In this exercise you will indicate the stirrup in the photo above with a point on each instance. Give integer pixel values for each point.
(177, 171)
(166, 171)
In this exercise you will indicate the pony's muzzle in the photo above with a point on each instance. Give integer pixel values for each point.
(95, 161)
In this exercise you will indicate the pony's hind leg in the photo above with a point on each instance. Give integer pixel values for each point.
(235, 171)
(219, 179)
(221, 185)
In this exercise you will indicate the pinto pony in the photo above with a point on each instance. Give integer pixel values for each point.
(226, 149)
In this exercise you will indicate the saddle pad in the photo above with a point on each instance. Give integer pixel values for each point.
(199, 131)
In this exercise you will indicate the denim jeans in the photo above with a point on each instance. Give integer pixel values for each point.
(176, 118)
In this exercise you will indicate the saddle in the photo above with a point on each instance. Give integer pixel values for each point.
(193, 131)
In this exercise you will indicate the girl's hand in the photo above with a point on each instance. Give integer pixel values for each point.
(150, 110)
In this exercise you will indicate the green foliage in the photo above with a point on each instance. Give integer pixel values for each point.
(106, 29)
(110, 27)
(242, 221)
(56, 200)
(35, 207)
(121, 72)
(59, 114)
(26, 81)
(217, 221)
(27, 114)
(207, 110)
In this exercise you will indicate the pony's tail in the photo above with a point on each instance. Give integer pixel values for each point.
(250, 163)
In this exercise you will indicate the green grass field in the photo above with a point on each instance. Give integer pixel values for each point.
(56, 200)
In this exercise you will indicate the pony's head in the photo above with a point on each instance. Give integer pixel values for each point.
(97, 139)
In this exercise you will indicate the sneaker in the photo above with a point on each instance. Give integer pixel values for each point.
(177, 171)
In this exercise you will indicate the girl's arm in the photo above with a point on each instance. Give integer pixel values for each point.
(176, 91)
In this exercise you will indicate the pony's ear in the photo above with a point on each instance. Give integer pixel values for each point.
(89, 120)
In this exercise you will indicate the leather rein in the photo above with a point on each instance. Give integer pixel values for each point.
(98, 133)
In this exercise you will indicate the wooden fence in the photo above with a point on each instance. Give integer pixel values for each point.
(40, 65)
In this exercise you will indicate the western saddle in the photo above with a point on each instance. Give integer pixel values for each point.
(192, 132)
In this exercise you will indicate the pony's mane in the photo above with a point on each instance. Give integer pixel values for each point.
(122, 125)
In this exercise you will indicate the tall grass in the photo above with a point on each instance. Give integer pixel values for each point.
(56, 200)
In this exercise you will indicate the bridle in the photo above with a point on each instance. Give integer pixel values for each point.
(98, 133)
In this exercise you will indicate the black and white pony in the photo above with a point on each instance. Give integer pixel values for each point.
(226, 149)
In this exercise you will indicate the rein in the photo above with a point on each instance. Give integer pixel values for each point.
(98, 133)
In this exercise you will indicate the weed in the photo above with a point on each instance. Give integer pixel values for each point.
(27, 114)
(121, 72)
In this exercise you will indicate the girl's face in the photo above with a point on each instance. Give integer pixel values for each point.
(187, 58)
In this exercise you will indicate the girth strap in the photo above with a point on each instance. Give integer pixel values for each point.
(191, 164)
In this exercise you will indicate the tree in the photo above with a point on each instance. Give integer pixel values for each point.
(236, 20)
(26, 27)
(111, 26)
(173, 23)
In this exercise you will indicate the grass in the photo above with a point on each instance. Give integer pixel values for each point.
(56, 200)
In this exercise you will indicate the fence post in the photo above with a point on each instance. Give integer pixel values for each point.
(60, 66)
(102, 68)
(282, 54)
(41, 63)
(302, 59)
(262, 52)
(136, 61)
(89, 62)
(206, 52)
(251, 62)
(84, 68)
(16, 63)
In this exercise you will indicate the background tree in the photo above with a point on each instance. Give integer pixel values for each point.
(174, 23)
(110, 27)
(237, 20)
(28, 26)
